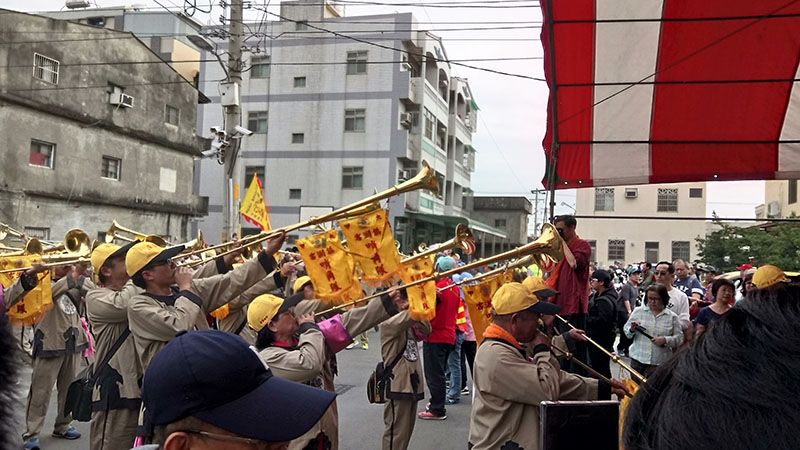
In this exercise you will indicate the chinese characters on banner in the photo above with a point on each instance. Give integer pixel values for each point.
(421, 298)
(479, 301)
(36, 302)
(329, 265)
(371, 243)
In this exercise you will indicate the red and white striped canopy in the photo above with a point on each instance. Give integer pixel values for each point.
(660, 91)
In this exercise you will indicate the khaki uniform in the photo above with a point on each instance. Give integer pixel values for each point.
(356, 321)
(508, 389)
(236, 320)
(58, 343)
(155, 320)
(406, 387)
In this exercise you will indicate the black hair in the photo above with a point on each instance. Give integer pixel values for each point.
(568, 219)
(103, 279)
(741, 373)
(718, 283)
(670, 266)
(662, 292)
(265, 338)
(743, 286)
(138, 280)
(648, 265)
(606, 280)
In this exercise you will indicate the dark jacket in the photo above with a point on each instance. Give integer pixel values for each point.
(602, 315)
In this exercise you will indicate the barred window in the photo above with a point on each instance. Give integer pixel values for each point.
(45, 69)
(38, 233)
(298, 138)
(651, 252)
(295, 194)
(616, 250)
(667, 200)
(604, 199)
(111, 168)
(299, 82)
(680, 250)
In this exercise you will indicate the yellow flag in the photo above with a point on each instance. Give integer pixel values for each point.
(254, 206)
(371, 242)
(422, 297)
(624, 404)
(330, 267)
(37, 301)
(479, 301)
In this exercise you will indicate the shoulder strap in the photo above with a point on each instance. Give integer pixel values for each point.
(111, 352)
(394, 362)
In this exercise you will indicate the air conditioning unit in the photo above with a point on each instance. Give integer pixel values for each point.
(631, 193)
(405, 120)
(773, 209)
(121, 99)
(403, 175)
(406, 65)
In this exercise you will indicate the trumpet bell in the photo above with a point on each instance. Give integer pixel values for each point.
(77, 241)
(33, 247)
(548, 250)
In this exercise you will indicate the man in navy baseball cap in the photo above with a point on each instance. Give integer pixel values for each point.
(209, 389)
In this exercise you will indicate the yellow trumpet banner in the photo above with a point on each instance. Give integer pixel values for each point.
(31, 309)
(478, 298)
(371, 242)
(330, 267)
(254, 206)
(422, 297)
(222, 312)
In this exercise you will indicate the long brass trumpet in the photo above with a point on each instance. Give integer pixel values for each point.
(114, 232)
(545, 251)
(463, 239)
(33, 245)
(78, 246)
(425, 179)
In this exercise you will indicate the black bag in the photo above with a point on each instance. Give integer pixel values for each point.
(79, 393)
(376, 384)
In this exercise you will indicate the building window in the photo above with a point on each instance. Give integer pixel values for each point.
(45, 69)
(680, 250)
(42, 154)
(357, 62)
(593, 246)
(792, 191)
(301, 25)
(295, 194)
(355, 120)
(172, 115)
(667, 200)
(604, 199)
(38, 233)
(616, 250)
(257, 121)
(251, 171)
(651, 252)
(440, 183)
(298, 138)
(500, 223)
(430, 121)
(111, 168)
(260, 67)
(352, 177)
(695, 192)
(299, 82)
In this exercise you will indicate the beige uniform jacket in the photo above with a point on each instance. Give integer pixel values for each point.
(236, 320)
(155, 320)
(509, 387)
(398, 337)
(60, 331)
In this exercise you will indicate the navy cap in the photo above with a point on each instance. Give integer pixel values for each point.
(216, 377)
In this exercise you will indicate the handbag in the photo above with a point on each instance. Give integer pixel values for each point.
(376, 384)
(79, 393)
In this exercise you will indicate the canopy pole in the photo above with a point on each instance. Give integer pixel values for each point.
(552, 172)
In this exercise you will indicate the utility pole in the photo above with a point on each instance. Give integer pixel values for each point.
(536, 193)
(233, 115)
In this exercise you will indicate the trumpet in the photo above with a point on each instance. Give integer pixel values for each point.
(33, 246)
(425, 179)
(463, 239)
(115, 230)
(78, 246)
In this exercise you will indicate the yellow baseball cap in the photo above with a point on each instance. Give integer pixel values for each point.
(514, 297)
(262, 309)
(104, 252)
(768, 275)
(144, 253)
(537, 286)
(300, 282)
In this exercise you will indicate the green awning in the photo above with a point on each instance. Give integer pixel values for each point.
(473, 105)
(452, 221)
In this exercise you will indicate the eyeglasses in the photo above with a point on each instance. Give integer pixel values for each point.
(229, 438)
(661, 273)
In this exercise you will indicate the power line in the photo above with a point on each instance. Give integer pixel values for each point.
(502, 154)
(488, 4)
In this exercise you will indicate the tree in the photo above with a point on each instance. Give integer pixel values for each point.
(729, 247)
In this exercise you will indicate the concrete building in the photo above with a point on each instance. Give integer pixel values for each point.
(634, 240)
(90, 137)
(780, 200)
(509, 215)
(335, 120)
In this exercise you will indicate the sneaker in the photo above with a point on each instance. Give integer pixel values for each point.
(427, 415)
(465, 391)
(365, 345)
(351, 346)
(451, 401)
(31, 444)
(71, 434)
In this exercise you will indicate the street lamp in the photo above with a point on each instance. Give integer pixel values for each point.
(569, 206)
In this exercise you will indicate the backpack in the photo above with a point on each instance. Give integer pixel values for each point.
(376, 384)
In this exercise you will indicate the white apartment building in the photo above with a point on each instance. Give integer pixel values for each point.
(664, 237)
(780, 200)
(335, 120)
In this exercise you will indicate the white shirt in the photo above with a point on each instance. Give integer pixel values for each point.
(679, 304)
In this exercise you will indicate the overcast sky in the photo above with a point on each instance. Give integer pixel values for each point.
(513, 111)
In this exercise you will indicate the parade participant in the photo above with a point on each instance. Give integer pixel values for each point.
(744, 370)
(571, 280)
(659, 331)
(163, 310)
(305, 285)
(27, 281)
(58, 345)
(509, 386)
(404, 387)
(722, 290)
(208, 389)
(601, 320)
(768, 276)
(627, 300)
(469, 346)
(306, 359)
(678, 301)
(440, 342)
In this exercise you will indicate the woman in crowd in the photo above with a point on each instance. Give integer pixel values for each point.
(655, 330)
(723, 292)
